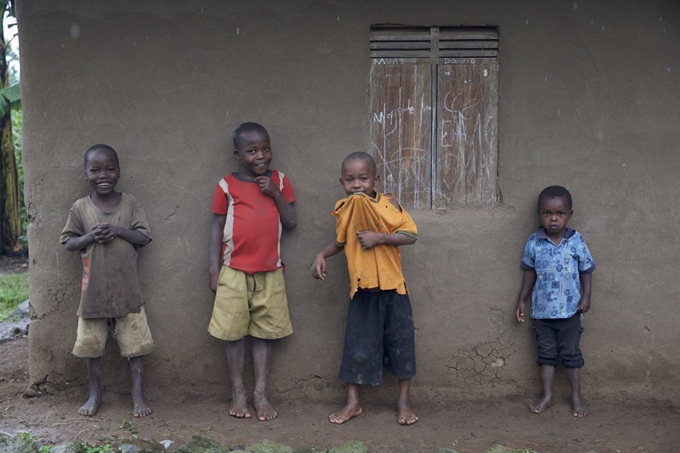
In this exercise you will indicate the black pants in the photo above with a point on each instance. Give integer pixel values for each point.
(559, 338)
(379, 333)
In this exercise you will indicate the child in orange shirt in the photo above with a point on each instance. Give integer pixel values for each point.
(370, 227)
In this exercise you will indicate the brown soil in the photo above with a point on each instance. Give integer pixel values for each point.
(469, 426)
(13, 264)
(614, 426)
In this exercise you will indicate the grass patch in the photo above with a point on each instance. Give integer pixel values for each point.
(13, 291)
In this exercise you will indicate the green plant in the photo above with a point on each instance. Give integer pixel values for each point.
(17, 127)
(24, 435)
(45, 449)
(127, 425)
(13, 291)
(97, 449)
(11, 221)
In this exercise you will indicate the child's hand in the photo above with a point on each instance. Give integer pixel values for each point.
(368, 239)
(102, 233)
(319, 268)
(583, 305)
(267, 186)
(214, 278)
(520, 311)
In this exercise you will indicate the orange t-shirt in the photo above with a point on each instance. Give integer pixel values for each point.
(378, 267)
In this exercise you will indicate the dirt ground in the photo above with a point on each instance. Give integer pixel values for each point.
(469, 426)
(13, 264)
(614, 426)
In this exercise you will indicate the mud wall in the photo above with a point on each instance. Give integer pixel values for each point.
(589, 95)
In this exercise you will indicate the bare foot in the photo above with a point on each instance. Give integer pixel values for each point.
(239, 405)
(542, 405)
(264, 410)
(405, 416)
(91, 406)
(577, 408)
(94, 373)
(345, 414)
(140, 409)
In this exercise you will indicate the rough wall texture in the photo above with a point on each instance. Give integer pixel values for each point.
(589, 95)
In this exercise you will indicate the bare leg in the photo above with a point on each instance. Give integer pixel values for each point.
(236, 355)
(574, 375)
(140, 408)
(547, 376)
(94, 375)
(405, 415)
(262, 351)
(351, 409)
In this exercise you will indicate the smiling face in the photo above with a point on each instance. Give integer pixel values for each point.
(358, 176)
(254, 152)
(101, 171)
(555, 213)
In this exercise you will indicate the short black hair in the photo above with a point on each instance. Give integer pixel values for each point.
(360, 155)
(102, 147)
(246, 127)
(555, 192)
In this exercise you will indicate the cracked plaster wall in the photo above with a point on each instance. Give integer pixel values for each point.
(588, 99)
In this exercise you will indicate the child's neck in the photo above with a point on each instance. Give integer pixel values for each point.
(245, 175)
(108, 202)
(556, 238)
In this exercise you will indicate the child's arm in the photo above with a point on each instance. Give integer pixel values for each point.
(134, 237)
(216, 250)
(100, 233)
(586, 284)
(319, 265)
(286, 210)
(76, 243)
(369, 239)
(527, 285)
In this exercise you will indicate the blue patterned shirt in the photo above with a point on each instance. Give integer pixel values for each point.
(557, 290)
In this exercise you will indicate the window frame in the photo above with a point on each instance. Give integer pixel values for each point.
(463, 50)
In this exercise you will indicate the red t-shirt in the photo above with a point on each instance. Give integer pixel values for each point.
(252, 231)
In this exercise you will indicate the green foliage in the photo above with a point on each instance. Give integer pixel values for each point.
(12, 216)
(17, 129)
(9, 97)
(106, 448)
(46, 448)
(127, 425)
(13, 291)
(9, 6)
(24, 435)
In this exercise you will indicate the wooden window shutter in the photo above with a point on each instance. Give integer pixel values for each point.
(401, 105)
(435, 82)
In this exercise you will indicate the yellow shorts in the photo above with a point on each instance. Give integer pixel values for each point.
(131, 332)
(254, 305)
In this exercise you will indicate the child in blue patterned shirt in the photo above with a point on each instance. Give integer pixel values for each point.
(558, 275)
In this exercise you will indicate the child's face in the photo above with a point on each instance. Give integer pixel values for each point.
(358, 176)
(102, 171)
(555, 213)
(255, 153)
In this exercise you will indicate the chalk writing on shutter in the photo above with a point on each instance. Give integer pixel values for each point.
(467, 134)
(434, 114)
(400, 130)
